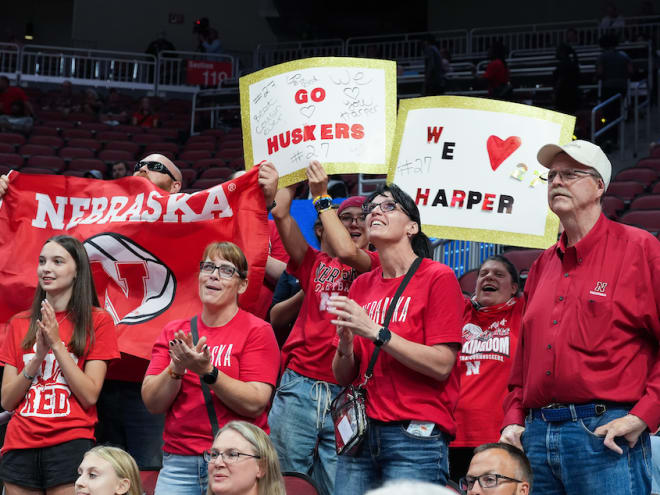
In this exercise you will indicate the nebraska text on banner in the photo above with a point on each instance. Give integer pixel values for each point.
(144, 245)
(470, 164)
(340, 111)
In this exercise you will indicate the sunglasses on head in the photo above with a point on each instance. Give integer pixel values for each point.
(154, 167)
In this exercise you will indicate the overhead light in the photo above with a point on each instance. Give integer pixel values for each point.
(29, 31)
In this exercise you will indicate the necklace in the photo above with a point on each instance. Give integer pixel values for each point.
(63, 318)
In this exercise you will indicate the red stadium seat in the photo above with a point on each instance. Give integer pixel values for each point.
(44, 130)
(218, 133)
(168, 154)
(160, 147)
(646, 202)
(200, 145)
(189, 176)
(147, 138)
(77, 133)
(656, 189)
(206, 183)
(299, 484)
(36, 149)
(131, 129)
(50, 162)
(87, 143)
(522, 259)
(4, 169)
(7, 148)
(88, 164)
(96, 126)
(129, 146)
(163, 133)
(13, 160)
(230, 154)
(46, 115)
(625, 190)
(53, 141)
(201, 138)
(177, 124)
(182, 164)
(468, 281)
(209, 162)
(646, 176)
(216, 173)
(116, 156)
(75, 173)
(645, 219)
(112, 136)
(36, 170)
(69, 153)
(12, 138)
(60, 124)
(653, 163)
(81, 117)
(194, 155)
(612, 206)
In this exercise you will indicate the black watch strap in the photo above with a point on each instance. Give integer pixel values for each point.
(211, 377)
(384, 336)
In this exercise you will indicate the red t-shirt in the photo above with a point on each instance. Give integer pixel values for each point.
(490, 339)
(310, 347)
(591, 325)
(50, 413)
(428, 312)
(9, 96)
(496, 74)
(244, 349)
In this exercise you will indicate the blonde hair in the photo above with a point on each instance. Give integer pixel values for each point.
(272, 482)
(124, 465)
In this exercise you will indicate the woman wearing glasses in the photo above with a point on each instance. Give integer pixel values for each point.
(236, 356)
(414, 388)
(242, 461)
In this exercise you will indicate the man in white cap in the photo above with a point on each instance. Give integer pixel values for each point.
(585, 384)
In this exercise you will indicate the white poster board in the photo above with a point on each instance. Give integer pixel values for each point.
(470, 165)
(340, 111)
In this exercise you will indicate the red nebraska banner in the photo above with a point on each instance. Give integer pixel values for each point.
(144, 244)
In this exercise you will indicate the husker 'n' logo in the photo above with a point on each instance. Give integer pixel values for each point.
(134, 286)
(599, 290)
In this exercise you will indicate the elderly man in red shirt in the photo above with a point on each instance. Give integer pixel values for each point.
(586, 378)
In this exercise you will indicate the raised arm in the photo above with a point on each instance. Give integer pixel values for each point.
(4, 185)
(337, 235)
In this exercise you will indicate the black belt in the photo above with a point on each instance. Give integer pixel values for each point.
(562, 412)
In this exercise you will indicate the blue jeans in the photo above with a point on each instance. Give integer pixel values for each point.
(183, 475)
(301, 428)
(568, 459)
(389, 452)
(125, 422)
(655, 456)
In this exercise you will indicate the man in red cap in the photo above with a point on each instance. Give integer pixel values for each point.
(585, 383)
(301, 426)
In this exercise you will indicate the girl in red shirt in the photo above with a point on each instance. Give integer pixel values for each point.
(55, 362)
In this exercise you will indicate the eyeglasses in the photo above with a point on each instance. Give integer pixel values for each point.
(568, 175)
(154, 167)
(385, 206)
(228, 456)
(348, 219)
(225, 271)
(485, 481)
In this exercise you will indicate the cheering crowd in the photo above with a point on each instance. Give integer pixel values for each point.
(552, 391)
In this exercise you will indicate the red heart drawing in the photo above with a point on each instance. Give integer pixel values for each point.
(499, 150)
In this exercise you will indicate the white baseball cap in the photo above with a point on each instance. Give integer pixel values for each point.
(584, 152)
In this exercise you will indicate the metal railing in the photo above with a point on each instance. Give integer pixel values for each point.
(213, 102)
(463, 256)
(406, 45)
(9, 58)
(619, 121)
(637, 90)
(268, 54)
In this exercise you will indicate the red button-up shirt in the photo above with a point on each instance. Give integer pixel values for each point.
(591, 325)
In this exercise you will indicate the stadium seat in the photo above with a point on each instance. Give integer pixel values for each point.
(81, 117)
(54, 163)
(612, 206)
(645, 176)
(206, 183)
(88, 164)
(70, 152)
(116, 156)
(195, 155)
(46, 115)
(131, 129)
(95, 126)
(75, 173)
(53, 141)
(656, 189)
(218, 133)
(299, 484)
(208, 163)
(645, 219)
(468, 281)
(44, 130)
(36, 170)
(160, 147)
(200, 145)
(522, 259)
(36, 149)
(168, 154)
(60, 124)
(182, 164)
(201, 138)
(646, 202)
(112, 136)
(7, 148)
(237, 164)
(189, 176)
(625, 190)
(87, 143)
(13, 160)
(77, 133)
(230, 154)
(653, 163)
(177, 124)
(129, 146)
(216, 173)
(4, 169)
(147, 138)
(12, 138)
(163, 133)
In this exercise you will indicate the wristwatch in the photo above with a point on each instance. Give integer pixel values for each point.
(324, 203)
(384, 336)
(211, 377)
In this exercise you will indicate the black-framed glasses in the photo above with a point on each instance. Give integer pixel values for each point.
(490, 480)
(225, 271)
(385, 206)
(568, 175)
(154, 167)
(348, 219)
(228, 456)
